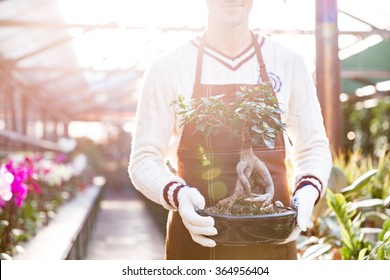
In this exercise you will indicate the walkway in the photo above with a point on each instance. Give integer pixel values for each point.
(125, 229)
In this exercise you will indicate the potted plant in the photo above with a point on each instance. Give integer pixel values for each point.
(254, 116)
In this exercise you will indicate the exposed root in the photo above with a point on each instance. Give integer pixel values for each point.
(253, 181)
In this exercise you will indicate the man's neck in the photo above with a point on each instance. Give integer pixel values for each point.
(230, 41)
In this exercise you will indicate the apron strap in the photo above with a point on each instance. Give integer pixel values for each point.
(199, 61)
(260, 60)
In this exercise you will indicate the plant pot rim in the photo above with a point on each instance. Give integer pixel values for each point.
(242, 230)
(289, 212)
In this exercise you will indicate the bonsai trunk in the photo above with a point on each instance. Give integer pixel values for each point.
(254, 182)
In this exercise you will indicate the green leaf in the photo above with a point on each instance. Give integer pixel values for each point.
(206, 101)
(385, 234)
(315, 251)
(4, 256)
(357, 219)
(367, 203)
(345, 253)
(257, 129)
(360, 182)
(386, 203)
(201, 125)
(243, 89)
(270, 134)
(270, 143)
(346, 238)
(348, 228)
(386, 252)
(362, 253)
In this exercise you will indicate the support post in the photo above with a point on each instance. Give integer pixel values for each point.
(328, 70)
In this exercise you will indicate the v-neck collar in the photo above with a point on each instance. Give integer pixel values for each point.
(231, 62)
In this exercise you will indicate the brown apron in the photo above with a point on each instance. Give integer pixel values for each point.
(209, 164)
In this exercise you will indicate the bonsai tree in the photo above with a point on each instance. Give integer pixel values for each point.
(253, 116)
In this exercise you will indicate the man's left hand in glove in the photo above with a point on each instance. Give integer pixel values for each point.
(303, 202)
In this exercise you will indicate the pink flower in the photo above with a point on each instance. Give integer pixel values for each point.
(18, 187)
(6, 179)
(60, 158)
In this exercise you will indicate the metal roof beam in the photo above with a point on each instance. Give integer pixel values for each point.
(103, 109)
(116, 116)
(44, 48)
(361, 20)
(64, 75)
(363, 34)
(61, 25)
(76, 69)
(364, 74)
(73, 96)
(81, 103)
(18, 81)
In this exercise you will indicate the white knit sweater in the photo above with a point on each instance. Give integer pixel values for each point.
(158, 132)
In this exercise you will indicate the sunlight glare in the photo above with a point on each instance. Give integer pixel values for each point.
(92, 130)
(145, 13)
(138, 22)
(383, 86)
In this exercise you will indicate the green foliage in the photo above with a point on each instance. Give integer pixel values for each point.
(360, 182)
(254, 115)
(355, 206)
(354, 247)
(369, 124)
(259, 110)
(373, 173)
(381, 250)
(209, 113)
(316, 250)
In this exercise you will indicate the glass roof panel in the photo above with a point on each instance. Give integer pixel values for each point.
(107, 44)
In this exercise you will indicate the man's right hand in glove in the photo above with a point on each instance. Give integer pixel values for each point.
(198, 226)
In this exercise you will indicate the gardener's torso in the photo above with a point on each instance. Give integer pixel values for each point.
(209, 162)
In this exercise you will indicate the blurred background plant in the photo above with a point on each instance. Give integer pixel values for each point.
(32, 187)
(367, 127)
(353, 220)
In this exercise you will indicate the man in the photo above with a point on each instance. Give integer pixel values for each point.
(227, 56)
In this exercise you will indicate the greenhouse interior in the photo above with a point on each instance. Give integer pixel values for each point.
(71, 73)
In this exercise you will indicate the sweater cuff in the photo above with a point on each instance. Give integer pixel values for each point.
(170, 194)
(312, 181)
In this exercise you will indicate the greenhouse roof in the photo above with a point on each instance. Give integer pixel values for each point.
(368, 67)
(84, 59)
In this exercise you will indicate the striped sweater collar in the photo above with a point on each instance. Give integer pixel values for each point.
(230, 62)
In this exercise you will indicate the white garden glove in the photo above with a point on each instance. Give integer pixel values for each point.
(303, 202)
(198, 226)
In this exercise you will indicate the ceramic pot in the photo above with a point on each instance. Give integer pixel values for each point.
(236, 230)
